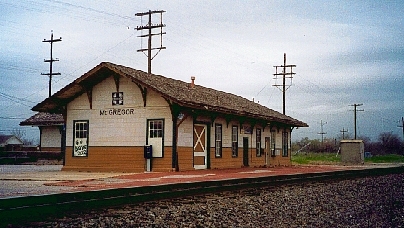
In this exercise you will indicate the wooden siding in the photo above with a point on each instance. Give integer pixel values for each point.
(185, 132)
(51, 149)
(105, 159)
(185, 158)
(118, 129)
(227, 160)
(115, 159)
(50, 137)
(116, 141)
(280, 161)
(163, 164)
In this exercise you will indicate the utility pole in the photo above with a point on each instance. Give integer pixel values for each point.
(322, 133)
(343, 132)
(50, 61)
(402, 125)
(284, 75)
(149, 26)
(356, 110)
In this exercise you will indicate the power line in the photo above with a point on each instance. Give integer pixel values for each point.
(356, 110)
(91, 9)
(343, 132)
(18, 100)
(322, 133)
(12, 118)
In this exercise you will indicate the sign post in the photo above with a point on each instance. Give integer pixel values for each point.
(148, 152)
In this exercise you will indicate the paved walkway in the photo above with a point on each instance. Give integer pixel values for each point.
(28, 180)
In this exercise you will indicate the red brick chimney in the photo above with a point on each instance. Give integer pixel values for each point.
(192, 81)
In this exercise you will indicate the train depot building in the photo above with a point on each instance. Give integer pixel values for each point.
(124, 120)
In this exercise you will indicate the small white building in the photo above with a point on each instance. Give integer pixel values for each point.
(10, 143)
(50, 130)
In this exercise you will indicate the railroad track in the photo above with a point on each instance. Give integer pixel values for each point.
(37, 208)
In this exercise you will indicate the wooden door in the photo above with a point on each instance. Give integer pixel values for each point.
(200, 147)
(267, 149)
(245, 151)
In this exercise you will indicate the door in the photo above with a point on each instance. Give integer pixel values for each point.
(155, 137)
(267, 148)
(200, 151)
(245, 151)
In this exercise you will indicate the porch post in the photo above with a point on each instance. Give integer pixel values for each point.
(174, 159)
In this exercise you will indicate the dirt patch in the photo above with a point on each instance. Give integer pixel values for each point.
(45, 162)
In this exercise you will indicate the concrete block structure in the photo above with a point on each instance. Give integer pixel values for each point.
(352, 151)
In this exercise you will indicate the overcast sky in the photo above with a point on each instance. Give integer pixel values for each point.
(345, 52)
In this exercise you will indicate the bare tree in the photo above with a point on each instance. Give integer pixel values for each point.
(19, 133)
(390, 143)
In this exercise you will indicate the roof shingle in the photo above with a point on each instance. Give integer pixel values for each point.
(176, 91)
(43, 119)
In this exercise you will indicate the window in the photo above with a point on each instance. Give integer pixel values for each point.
(218, 140)
(258, 142)
(285, 143)
(155, 128)
(234, 141)
(273, 140)
(80, 140)
(155, 137)
(117, 98)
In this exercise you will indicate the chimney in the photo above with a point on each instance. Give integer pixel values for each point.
(192, 81)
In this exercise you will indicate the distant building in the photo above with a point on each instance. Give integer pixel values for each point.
(50, 130)
(113, 111)
(10, 143)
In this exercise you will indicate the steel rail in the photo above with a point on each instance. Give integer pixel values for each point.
(38, 208)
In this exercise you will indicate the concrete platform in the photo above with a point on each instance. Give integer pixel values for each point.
(32, 180)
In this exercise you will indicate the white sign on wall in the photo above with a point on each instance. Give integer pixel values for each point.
(80, 147)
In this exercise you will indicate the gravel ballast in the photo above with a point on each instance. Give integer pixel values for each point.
(363, 202)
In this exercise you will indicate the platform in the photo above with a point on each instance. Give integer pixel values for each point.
(31, 180)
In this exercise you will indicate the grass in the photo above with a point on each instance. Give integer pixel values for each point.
(389, 158)
(333, 159)
(316, 159)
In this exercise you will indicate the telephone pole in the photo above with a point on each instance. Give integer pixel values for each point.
(343, 132)
(51, 60)
(322, 133)
(149, 26)
(402, 125)
(284, 75)
(356, 110)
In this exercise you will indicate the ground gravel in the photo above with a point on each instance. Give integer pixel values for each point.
(13, 188)
(6, 169)
(363, 202)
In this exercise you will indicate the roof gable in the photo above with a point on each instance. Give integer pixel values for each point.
(176, 91)
(43, 119)
(9, 139)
